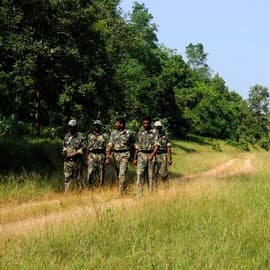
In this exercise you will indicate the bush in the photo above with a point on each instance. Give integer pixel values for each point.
(264, 143)
(11, 127)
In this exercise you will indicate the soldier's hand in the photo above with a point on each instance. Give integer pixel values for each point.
(107, 160)
(72, 154)
(63, 153)
(135, 162)
(169, 161)
(150, 157)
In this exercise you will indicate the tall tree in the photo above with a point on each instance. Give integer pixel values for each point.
(197, 60)
(258, 102)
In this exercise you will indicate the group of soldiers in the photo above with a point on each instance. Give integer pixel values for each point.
(151, 146)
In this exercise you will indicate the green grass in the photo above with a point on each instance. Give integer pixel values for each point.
(193, 157)
(228, 229)
(33, 168)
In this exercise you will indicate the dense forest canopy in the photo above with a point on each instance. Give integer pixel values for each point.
(85, 59)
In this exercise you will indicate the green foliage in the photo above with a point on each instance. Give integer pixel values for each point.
(264, 142)
(85, 59)
(11, 127)
(197, 59)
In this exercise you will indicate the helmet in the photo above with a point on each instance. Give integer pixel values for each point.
(98, 122)
(72, 123)
(157, 124)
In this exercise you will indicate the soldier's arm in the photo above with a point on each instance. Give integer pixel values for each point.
(156, 147)
(135, 160)
(151, 156)
(64, 152)
(108, 153)
(64, 149)
(80, 151)
(136, 151)
(169, 152)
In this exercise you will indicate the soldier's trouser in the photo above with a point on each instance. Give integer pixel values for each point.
(145, 170)
(121, 167)
(161, 167)
(96, 168)
(72, 171)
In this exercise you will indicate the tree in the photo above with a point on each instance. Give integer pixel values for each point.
(258, 102)
(196, 59)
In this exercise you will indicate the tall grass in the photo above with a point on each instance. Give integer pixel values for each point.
(227, 228)
(223, 224)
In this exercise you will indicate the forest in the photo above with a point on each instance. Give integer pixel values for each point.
(86, 59)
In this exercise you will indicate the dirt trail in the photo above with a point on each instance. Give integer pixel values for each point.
(233, 167)
(236, 166)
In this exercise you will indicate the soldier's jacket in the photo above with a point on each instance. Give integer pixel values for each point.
(146, 140)
(96, 141)
(74, 143)
(121, 140)
(164, 141)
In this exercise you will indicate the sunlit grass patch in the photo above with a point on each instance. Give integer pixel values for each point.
(225, 229)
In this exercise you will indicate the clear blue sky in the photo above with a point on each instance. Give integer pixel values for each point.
(234, 33)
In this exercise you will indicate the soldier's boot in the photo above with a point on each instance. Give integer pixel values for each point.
(67, 186)
(122, 186)
(139, 187)
(151, 185)
(101, 178)
(80, 185)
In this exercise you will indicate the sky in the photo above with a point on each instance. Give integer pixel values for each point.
(234, 34)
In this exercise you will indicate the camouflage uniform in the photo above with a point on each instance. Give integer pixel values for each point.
(161, 166)
(96, 147)
(73, 165)
(121, 143)
(146, 141)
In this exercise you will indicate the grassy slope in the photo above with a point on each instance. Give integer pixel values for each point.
(225, 227)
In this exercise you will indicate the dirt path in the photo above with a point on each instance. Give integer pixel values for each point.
(93, 208)
(236, 166)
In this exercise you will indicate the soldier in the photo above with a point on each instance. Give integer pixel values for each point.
(164, 154)
(73, 150)
(120, 144)
(144, 158)
(95, 152)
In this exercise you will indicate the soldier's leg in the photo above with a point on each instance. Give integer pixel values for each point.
(141, 168)
(116, 164)
(123, 167)
(101, 169)
(151, 168)
(164, 167)
(79, 176)
(90, 171)
(164, 170)
(68, 172)
(157, 169)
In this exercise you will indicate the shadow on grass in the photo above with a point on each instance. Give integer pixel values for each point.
(175, 175)
(22, 155)
(197, 139)
(186, 149)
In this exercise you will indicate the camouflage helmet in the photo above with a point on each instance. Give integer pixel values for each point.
(72, 123)
(157, 124)
(97, 123)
